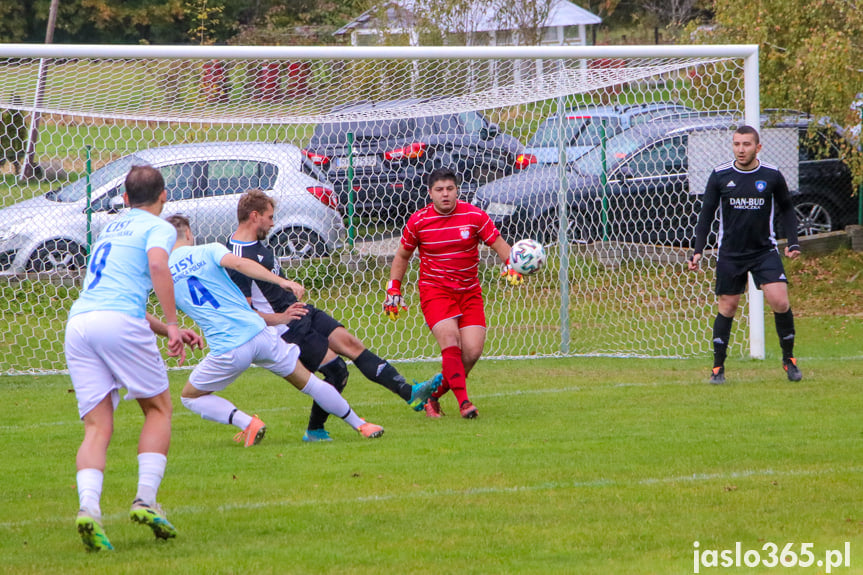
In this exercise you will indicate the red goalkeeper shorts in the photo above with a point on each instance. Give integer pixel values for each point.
(439, 304)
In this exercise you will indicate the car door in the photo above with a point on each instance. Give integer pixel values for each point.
(181, 184)
(215, 189)
(485, 158)
(651, 204)
(824, 201)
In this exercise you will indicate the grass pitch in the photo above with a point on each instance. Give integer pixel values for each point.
(574, 466)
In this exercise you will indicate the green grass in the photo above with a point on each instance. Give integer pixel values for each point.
(578, 465)
(574, 466)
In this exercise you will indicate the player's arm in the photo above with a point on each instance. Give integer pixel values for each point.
(294, 311)
(258, 272)
(190, 337)
(163, 285)
(789, 217)
(394, 302)
(709, 203)
(503, 250)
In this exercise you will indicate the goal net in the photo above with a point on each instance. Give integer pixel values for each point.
(600, 153)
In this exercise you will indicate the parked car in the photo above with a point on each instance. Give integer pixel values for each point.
(204, 182)
(392, 157)
(647, 197)
(583, 129)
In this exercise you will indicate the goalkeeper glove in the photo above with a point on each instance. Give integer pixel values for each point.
(512, 277)
(394, 301)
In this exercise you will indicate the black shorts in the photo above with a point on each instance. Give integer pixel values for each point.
(731, 278)
(311, 332)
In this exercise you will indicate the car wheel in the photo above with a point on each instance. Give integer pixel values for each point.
(298, 243)
(814, 216)
(57, 255)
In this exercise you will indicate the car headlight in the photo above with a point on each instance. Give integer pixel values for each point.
(498, 209)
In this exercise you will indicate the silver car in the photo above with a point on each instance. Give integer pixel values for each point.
(204, 182)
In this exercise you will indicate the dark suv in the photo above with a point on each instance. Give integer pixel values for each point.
(647, 197)
(391, 157)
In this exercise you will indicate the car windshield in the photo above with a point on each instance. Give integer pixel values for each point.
(78, 189)
(577, 131)
(617, 148)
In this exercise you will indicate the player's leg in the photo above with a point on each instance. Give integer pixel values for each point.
(448, 337)
(152, 459)
(283, 359)
(731, 281)
(441, 312)
(314, 353)
(96, 391)
(335, 372)
(472, 325)
(90, 464)
(214, 374)
(776, 294)
(769, 275)
(472, 345)
(722, 335)
(380, 371)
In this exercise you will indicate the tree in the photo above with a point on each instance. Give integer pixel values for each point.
(13, 135)
(672, 13)
(463, 17)
(810, 56)
(529, 18)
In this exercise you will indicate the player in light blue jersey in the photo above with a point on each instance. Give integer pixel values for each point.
(110, 343)
(239, 337)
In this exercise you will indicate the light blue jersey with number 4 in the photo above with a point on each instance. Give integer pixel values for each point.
(118, 272)
(206, 293)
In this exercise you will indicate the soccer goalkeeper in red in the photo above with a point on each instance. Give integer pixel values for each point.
(447, 233)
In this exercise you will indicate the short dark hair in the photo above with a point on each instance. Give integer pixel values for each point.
(745, 130)
(441, 174)
(253, 201)
(144, 184)
(180, 222)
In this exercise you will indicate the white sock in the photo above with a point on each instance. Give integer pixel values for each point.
(218, 409)
(90, 489)
(328, 398)
(151, 470)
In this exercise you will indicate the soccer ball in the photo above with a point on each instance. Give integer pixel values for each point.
(527, 256)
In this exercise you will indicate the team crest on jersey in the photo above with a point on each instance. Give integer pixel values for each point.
(760, 185)
(465, 233)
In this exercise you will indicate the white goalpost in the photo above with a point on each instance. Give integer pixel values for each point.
(343, 138)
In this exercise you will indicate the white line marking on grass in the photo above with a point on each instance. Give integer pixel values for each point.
(430, 494)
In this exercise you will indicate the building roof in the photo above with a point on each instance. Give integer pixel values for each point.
(483, 17)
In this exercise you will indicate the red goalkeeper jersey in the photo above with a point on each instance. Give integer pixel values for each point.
(449, 245)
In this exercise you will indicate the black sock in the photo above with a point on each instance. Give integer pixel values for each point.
(785, 330)
(381, 372)
(721, 335)
(336, 374)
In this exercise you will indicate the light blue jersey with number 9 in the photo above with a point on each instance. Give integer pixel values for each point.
(118, 271)
(205, 292)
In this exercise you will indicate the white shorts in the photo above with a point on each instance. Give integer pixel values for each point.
(109, 350)
(267, 350)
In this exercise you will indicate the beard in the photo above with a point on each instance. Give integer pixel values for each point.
(262, 234)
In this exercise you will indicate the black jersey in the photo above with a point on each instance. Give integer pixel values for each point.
(266, 297)
(746, 202)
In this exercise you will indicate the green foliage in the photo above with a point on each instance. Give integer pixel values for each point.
(810, 55)
(13, 136)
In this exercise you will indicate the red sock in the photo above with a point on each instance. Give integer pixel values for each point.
(441, 390)
(453, 372)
